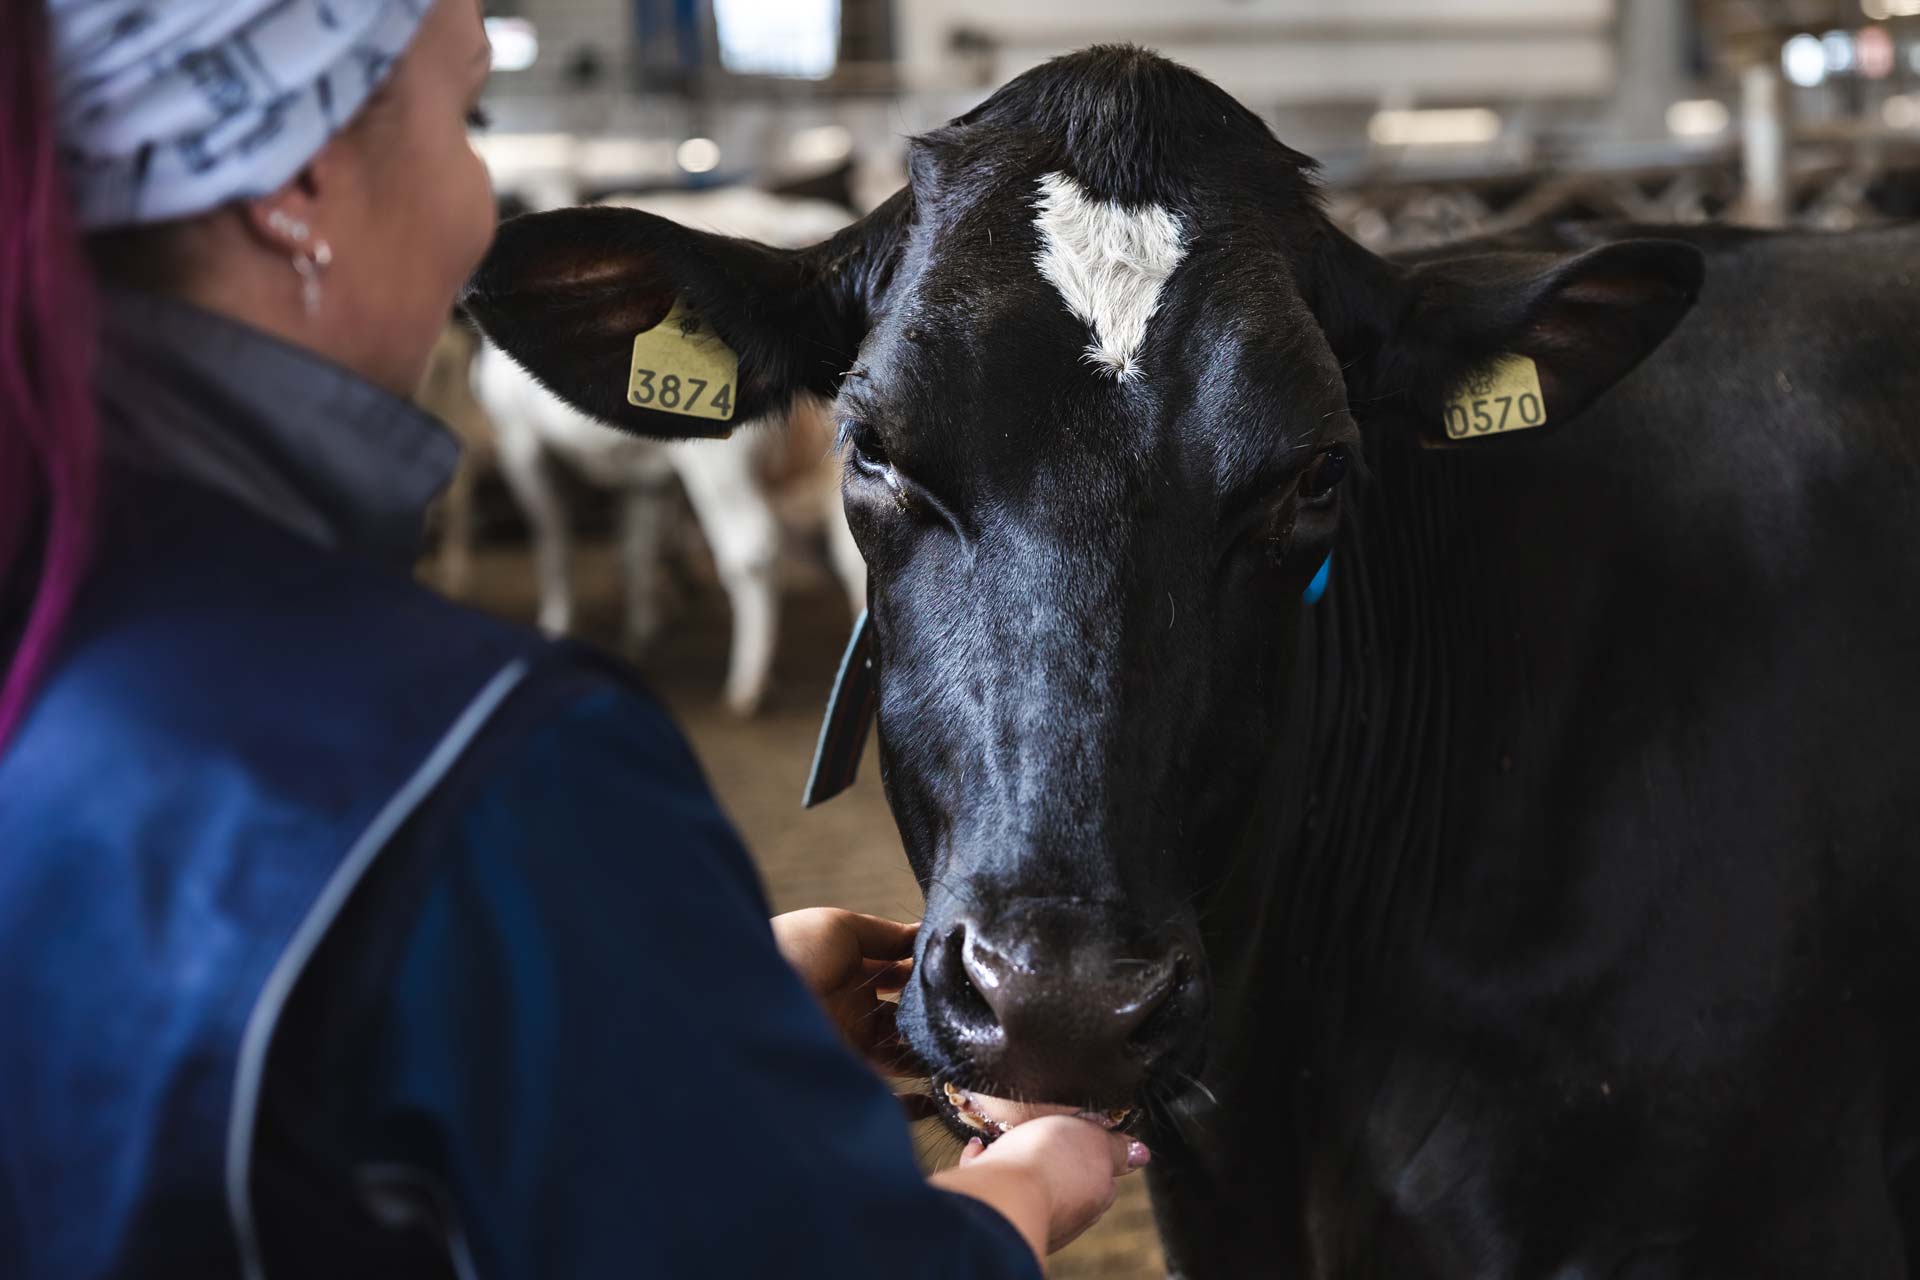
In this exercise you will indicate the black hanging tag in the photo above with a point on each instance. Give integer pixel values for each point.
(850, 711)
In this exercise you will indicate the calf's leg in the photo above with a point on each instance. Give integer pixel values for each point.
(528, 471)
(643, 513)
(744, 536)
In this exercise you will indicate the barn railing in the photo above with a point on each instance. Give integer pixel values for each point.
(1846, 181)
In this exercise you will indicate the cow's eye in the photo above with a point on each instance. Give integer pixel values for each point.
(1325, 473)
(868, 454)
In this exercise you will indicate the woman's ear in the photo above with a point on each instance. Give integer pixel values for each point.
(294, 206)
(1421, 341)
(567, 294)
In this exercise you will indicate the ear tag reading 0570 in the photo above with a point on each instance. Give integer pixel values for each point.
(1503, 396)
(681, 366)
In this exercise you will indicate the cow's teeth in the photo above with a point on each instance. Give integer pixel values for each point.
(963, 1106)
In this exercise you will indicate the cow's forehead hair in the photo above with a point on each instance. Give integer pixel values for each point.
(1109, 264)
(1091, 180)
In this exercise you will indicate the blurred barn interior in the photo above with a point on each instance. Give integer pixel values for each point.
(1434, 119)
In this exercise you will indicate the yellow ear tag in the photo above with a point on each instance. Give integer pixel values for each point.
(681, 366)
(1503, 396)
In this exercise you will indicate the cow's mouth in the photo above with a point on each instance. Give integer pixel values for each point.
(989, 1117)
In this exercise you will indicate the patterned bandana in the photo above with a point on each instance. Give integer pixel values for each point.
(169, 108)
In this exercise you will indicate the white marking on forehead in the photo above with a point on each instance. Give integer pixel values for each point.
(1108, 264)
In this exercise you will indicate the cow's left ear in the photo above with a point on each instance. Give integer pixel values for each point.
(733, 330)
(1429, 342)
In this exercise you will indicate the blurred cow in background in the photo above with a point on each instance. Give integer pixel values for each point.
(446, 391)
(739, 488)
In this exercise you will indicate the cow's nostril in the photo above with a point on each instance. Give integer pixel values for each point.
(982, 966)
(950, 979)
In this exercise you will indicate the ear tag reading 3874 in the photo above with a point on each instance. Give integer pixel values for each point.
(1502, 396)
(681, 366)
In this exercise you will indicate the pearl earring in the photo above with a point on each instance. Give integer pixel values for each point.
(308, 265)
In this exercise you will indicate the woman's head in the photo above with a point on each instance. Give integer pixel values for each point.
(209, 147)
(402, 202)
(387, 215)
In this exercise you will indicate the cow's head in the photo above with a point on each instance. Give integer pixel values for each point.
(1098, 370)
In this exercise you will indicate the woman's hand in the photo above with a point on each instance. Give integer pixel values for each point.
(1051, 1178)
(849, 961)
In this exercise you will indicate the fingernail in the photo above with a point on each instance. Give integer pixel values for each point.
(1138, 1155)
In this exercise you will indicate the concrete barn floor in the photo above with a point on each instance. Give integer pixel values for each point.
(846, 853)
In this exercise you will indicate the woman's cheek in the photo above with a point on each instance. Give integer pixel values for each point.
(459, 195)
(479, 214)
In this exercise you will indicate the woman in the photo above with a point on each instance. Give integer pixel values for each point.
(343, 931)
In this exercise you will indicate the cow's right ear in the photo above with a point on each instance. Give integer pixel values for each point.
(565, 293)
(1485, 338)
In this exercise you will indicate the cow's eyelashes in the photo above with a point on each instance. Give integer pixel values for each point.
(868, 454)
(878, 470)
(1324, 474)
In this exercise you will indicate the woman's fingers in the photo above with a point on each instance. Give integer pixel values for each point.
(1077, 1163)
(877, 1036)
(879, 938)
(888, 977)
(833, 949)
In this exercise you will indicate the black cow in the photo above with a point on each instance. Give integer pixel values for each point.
(1541, 903)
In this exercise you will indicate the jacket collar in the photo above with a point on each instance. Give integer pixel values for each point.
(298, 439)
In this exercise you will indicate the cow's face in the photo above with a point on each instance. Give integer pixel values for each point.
(1095, 450)
(1095, 372)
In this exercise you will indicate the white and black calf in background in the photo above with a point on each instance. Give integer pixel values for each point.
(746, 492)
(1545, 901)
(446, 391)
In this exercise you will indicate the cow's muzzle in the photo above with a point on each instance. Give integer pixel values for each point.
(1055, 1006)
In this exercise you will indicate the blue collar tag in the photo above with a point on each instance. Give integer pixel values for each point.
(856, 695)
(1318, 587)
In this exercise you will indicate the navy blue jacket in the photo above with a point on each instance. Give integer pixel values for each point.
(347, 932)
